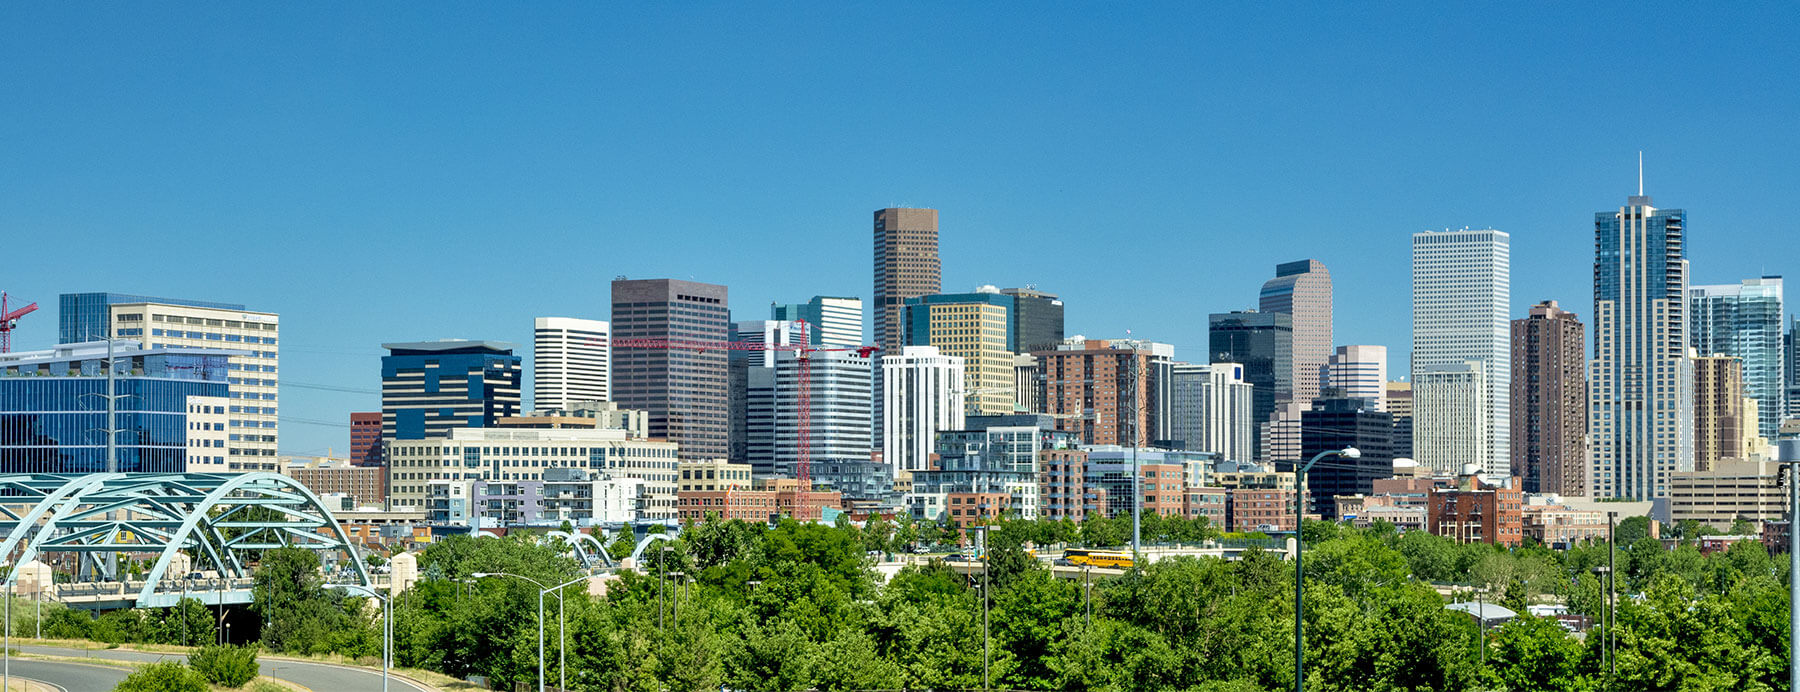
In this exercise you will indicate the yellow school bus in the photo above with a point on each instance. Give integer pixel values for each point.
(1098, 558)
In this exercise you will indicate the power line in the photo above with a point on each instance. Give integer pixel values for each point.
(328, 387)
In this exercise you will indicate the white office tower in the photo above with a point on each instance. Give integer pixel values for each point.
(1640, 382)
(750, 377)
(839, 405)
(922, 397)
(1461, 297)
(570, 361)
(1450, 417)
(1358, 372)
(836, 322)
(1210, 409)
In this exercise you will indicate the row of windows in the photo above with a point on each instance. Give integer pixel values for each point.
(206, 336)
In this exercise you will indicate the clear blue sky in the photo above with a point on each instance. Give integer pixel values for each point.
(379, 172)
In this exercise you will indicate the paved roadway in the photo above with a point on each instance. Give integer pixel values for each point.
(319, 677)
(71, 677)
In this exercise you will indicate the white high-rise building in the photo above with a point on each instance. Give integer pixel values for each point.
(839, 407)
(1210, 409)
(1640, 382)
(1358, 372)
(571, 361)
(1461, 297)
(922, 396)
(834, 322)
(751, 398)
(1450, 417)
(252, 429)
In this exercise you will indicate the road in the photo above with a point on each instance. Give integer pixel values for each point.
(320, 677)
(74, 677)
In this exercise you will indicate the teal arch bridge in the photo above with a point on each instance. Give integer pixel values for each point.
(198, 531)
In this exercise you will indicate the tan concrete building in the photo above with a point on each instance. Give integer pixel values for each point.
(1549, 401)
(1719, 420)
(1728, 490)
(712, 475)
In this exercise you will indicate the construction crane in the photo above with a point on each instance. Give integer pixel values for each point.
(803, 352)
(9, 318)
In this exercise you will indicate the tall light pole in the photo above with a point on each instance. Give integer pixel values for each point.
(1299, 547)
(562, 637)
(541, 591)
(387, 626)
(1793, 465)
(6, 665)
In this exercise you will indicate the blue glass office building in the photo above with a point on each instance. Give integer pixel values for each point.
(429, 387)
(87, 316)
(52, 415)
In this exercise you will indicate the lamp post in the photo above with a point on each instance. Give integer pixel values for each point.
(6, 666)
(387, 626)
(562, 637)
(1605, 574)
(541, 591)
(1299, 547)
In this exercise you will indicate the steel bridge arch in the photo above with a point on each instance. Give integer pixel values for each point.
(99, 513)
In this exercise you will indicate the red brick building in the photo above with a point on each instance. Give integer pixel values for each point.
(365, 439)
(1061, 484)
(774, 496)
(1261, 509)
(1477, 512)
(968, 509)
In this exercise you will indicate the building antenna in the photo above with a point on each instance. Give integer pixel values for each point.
(1640, 173)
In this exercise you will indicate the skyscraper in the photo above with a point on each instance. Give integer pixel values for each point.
(429, 387)
(832, 321)
(1358, 372)
(1719, 421)
(1099, 395)
(1302, 289)
(684, 390)
(751, 392)
(1210, 410)
(1037, 319)
(1450, 421)
(1549, 401)
(1743, 320)
(1400, 406)
(1461, 299)
(924, 398)
(254, 411)
(1640, 381)
(1264, 343)
(1334, 423)
(906, 266)
(839, 401)
(570, 361)
(978, 328)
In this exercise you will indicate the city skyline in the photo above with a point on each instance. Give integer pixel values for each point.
(331, 171)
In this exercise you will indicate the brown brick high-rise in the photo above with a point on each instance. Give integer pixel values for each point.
(683, 389)
(906, 266)
(1549, 401)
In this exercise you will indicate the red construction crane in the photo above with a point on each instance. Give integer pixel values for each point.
(803, 351)
(9, 318)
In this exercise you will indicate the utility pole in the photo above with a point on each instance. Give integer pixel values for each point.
(1137, 473)
(1612, 599)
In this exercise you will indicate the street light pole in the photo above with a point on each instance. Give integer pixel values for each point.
(387, 626)
(541, 591)
(1612, 596)
(562, 638)
(1299, 548)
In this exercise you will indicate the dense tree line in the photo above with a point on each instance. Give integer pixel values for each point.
(799, 606)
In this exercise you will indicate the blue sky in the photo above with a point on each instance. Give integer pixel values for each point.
(382, 172)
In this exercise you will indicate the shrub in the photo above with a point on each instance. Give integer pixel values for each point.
(228, 666)
(165, 676)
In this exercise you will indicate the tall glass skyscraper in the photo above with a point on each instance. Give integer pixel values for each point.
(1744, 320)
(1640, 382)
(1461, 300)
(832, 321)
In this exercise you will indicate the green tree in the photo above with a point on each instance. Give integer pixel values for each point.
(226, 666)
(1630, 530)
(163, 676)
(298, 613)
(1531, 653)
